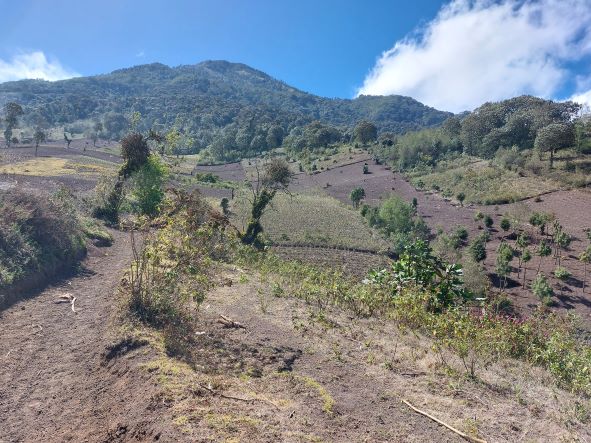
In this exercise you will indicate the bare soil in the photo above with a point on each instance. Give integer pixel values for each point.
(56, 383)
(53, 150)
(227, 172)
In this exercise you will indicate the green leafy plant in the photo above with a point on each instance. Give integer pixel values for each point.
(542, 289)
(357, 194)
(418, 267)
(477, 248)
(147, 186)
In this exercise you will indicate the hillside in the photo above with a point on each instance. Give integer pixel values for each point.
(202, 99)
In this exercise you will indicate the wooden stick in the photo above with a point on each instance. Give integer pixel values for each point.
(207, 388)
(228, 322)
(451, 428)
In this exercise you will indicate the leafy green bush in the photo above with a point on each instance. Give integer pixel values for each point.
(147, 186)
(477, 248)
(397, 219)
(542, 289)
(418, 267)
(461, 233)
(207, 177)
(562, 273)
(108, 198)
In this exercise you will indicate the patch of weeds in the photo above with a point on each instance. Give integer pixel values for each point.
(96, 232)
(471, 426)
(263, 301)
(277, 290)
(338, 353)
(230, 423)
(328, 401)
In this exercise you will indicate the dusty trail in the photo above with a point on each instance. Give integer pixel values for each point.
(54, 385)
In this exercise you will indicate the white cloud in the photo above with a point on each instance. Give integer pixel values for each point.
(481, 50)
(33, 65)
(141, 54)
(583, 98)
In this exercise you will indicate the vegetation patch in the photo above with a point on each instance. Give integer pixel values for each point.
(38, 236)
(306, 219)
(53, 167)
(482, 183)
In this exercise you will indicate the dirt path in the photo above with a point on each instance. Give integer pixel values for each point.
(54, 385)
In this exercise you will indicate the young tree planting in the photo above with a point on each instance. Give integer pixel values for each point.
(356, 196)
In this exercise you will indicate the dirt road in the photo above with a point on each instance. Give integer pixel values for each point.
(54, 383)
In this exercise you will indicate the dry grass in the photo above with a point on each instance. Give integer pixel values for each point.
(485, 184)
(53, 167)
(309, 219)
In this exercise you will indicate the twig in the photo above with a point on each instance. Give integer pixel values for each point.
(229, 323)
(68, 298)
(7, 354)
(451, 428)
(207, 388)
(412, 374)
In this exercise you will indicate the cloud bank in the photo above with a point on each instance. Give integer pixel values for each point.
(482, 50)
(33, 65)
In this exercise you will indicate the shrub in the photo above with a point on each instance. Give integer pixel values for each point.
(37, 235)
(475, 278)
(477, 248)
(397, 219)
(461, 233)
(357, 194)
(505, 224)
(147, 186)
(488, 221)
(135, 152)
(418, 267)
(207, 177)
(562, 273)
(168, 277)
(225, 204)
(107, 198)
(542, 289)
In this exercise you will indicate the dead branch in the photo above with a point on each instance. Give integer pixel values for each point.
(451, 428)
(229, 323)
(230, 397)
(68, 298)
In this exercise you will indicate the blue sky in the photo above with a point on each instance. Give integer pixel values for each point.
(450, 55)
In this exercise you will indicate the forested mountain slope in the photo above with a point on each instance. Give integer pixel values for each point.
(202, 100)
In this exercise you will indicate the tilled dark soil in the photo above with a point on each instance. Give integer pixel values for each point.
(55, 382)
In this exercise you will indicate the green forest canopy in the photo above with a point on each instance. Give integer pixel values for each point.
(231, 107)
